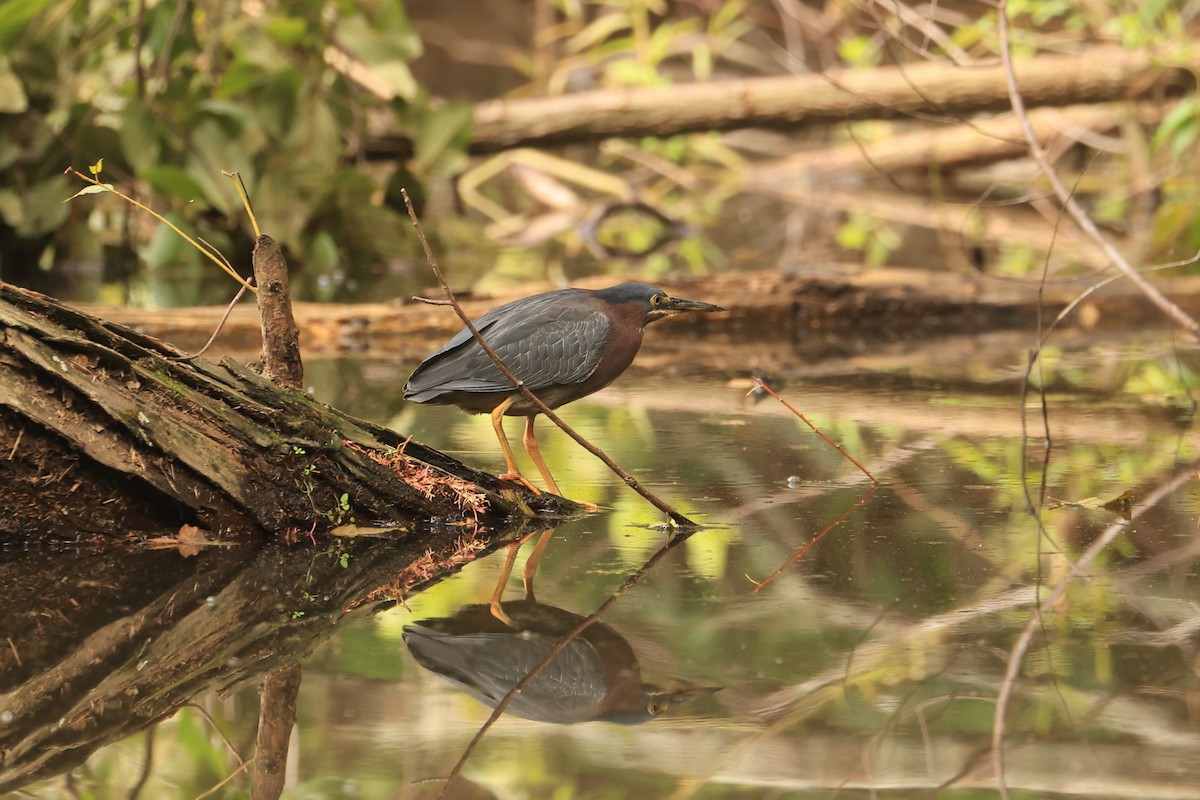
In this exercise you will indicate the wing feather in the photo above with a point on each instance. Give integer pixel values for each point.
(546, 340)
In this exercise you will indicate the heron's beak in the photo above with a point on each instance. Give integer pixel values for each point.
(677, 305)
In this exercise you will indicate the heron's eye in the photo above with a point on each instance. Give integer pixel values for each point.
(657, 300)
(656, 708)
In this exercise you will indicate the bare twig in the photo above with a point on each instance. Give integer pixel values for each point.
(815, 429)
(675, 516)
(108, 188)
(238, 183)
(241, 768)
(220, 324)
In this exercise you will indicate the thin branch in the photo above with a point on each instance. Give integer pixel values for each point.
(1064, 195)
(220, 324)
(109, 188)
(815, 429)
(799, 554)
(675, 516)
(241, 768)
(240, 185)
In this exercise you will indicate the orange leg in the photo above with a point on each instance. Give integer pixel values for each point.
(494, 606)
(531, 563)
(513, 474)
(531, 447)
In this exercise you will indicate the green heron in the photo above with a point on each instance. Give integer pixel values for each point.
(563, 345)
(595, 677)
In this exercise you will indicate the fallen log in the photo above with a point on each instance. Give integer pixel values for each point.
(1096, 75)
(106, 432)
(844, 302)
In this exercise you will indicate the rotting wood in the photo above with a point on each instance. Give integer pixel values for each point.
(281, 338)
(148, 630)
(1095, 75)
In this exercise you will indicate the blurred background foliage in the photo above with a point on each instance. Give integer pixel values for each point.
(289, 95)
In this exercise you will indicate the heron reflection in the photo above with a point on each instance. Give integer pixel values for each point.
(596, 676)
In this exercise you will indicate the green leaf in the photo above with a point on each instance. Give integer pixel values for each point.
(15, 16)
(287, 30)
(441, 129)
(96, 168)
(138, 135)
(172, 182)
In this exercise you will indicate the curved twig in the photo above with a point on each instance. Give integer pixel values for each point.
(1064, 195)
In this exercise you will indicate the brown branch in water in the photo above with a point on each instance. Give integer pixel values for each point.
(276, 716)
(534, 400)
(1078, 214)
(762, 385)
(677, 539)
(799, 554)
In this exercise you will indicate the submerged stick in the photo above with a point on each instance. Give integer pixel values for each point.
(527, 393)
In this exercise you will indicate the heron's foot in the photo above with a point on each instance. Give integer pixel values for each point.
(499, 614)
(519, 478)
(591, 508)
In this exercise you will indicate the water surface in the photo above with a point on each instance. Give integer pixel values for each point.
(861, 634)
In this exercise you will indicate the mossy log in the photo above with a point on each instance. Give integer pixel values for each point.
(105, 432)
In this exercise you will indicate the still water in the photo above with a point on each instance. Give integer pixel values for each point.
(861, 636)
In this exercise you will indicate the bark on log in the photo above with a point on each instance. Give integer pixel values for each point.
(1093, 76)
(281, 338)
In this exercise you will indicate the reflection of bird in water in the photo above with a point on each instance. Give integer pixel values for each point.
(563, 345)
(594, 677)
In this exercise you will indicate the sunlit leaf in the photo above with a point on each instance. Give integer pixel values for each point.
(13, 99)
(91, 189)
